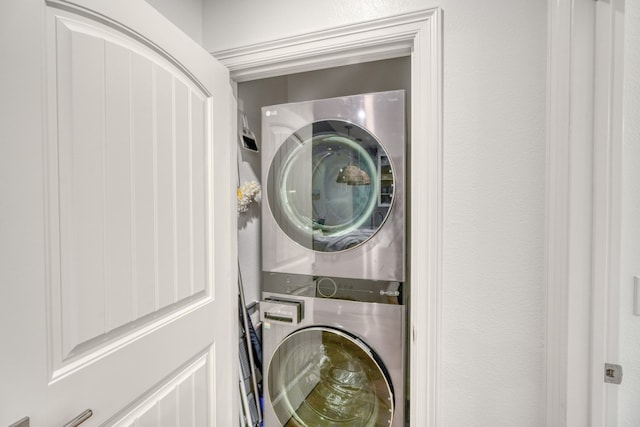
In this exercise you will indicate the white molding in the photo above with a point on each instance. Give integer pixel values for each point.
(607, 148)
(569, 203)
(418, 34)
(583, 201)
(380, 39)
(557, 226)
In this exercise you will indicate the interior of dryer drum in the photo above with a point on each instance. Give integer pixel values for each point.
(330, 186)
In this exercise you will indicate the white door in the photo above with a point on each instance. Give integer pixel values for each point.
(117, 274)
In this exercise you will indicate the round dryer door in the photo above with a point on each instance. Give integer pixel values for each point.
(322, 376)
(330, 186)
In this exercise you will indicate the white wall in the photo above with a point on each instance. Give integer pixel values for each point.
(629, 392)
(494, 170)
(185, 14)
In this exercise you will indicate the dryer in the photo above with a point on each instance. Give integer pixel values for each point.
(333, 176)
(331, 361)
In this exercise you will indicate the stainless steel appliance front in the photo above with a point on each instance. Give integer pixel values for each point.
(333, 175)
(341, 364)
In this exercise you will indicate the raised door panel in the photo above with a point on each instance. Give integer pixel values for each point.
(130, 192)
(180, 400)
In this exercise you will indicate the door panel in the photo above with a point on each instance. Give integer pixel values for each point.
(180, 400)
(102, 168)
(137, 124)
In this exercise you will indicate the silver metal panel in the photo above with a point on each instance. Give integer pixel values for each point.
(381, 291)
(382, 256)
(379, 326)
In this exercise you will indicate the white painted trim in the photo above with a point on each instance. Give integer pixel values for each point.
(584, 147)
(380, 39)
(569, 205)
(418, 34)
(557, 226)
(609, 45)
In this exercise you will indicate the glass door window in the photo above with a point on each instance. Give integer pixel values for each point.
(324, 186)
(324, 377)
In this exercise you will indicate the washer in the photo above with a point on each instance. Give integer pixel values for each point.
(333, 172)
(331, 361)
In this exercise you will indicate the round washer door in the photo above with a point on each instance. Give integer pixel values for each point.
(330, 186)
(321, 376)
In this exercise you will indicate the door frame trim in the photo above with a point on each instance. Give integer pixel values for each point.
(419, 35)
(583, 199)
(607, 206)
(568, 229)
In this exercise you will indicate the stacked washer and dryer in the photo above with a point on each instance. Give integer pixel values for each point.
(333, 261)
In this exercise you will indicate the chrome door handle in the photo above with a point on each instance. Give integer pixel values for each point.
(80, 419)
